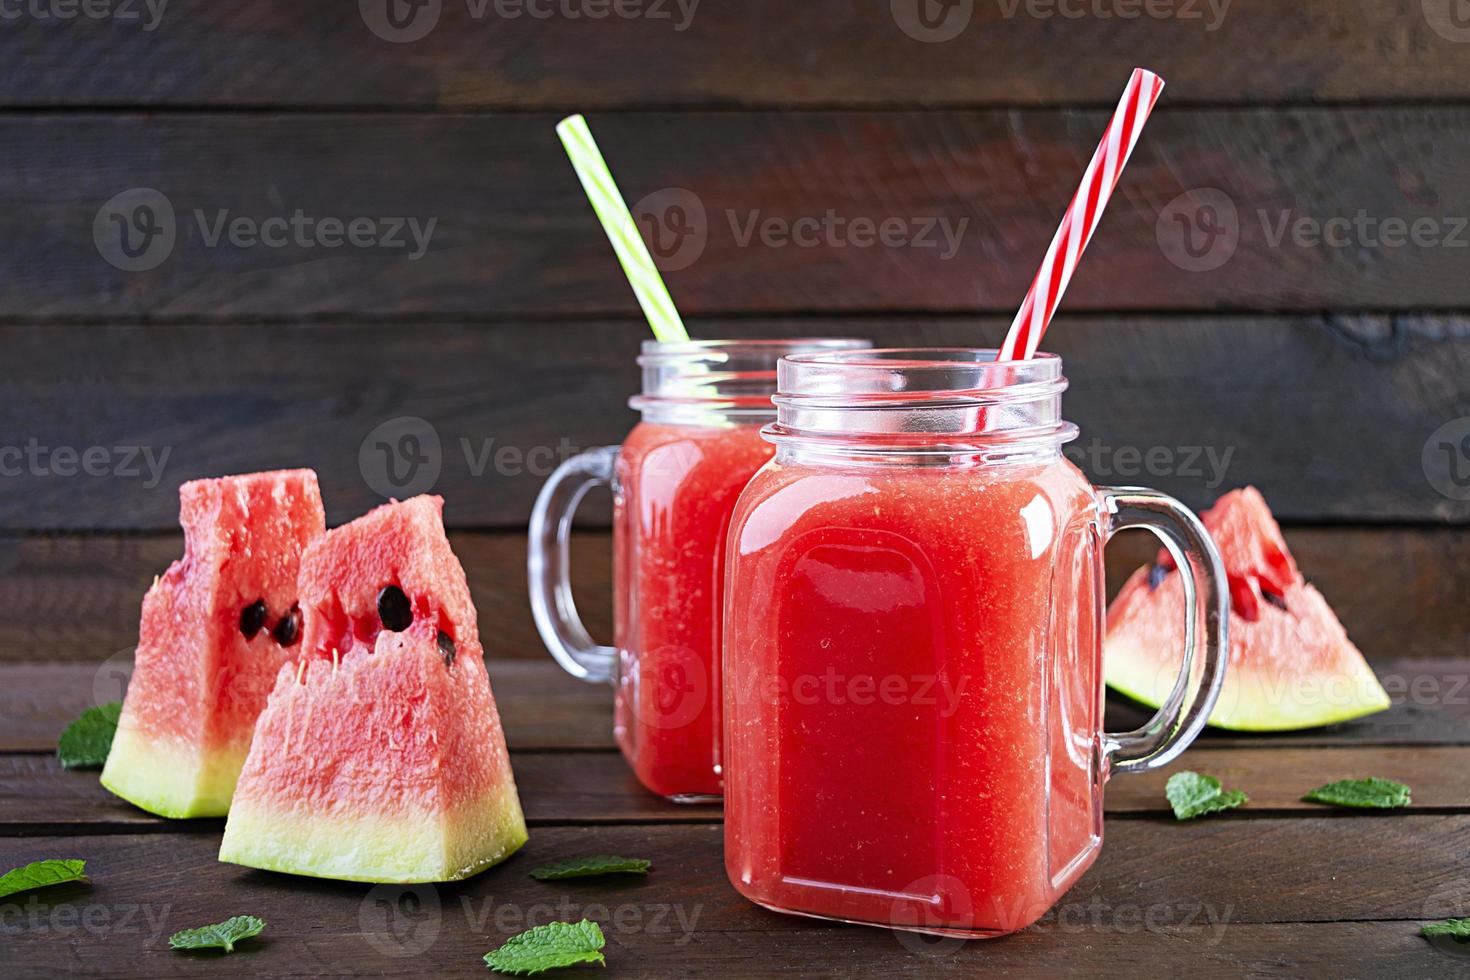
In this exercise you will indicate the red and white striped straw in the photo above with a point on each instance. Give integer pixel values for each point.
(1082, 217)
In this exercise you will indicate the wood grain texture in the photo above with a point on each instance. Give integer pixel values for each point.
(1397, 590)
(513, 233)
(1186, 897)
(544, 709)
(1329, 416)
(541, 707)
(272, 52)
(564, 788)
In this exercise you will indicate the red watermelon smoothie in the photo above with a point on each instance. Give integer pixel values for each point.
(675, 481)
(912, 656)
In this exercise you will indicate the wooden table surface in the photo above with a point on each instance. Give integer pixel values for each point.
(1280, 888)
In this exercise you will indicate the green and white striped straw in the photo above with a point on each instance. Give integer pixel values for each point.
(611, 210)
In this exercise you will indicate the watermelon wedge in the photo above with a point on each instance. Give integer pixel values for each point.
(215, 630)
(380, 756)
(1291, 663)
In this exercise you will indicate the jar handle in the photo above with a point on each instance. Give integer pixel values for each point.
(548, 565)
(1206, 621)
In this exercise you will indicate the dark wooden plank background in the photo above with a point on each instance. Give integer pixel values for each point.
(1247, 313)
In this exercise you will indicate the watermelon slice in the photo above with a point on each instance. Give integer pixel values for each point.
(1291, 663)
(380, 757)
(216, 628)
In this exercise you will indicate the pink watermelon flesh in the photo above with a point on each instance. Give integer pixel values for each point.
(380, 756)
(215, 630)
(1291, 663)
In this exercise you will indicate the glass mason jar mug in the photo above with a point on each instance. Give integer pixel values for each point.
(674, 481)
(912, 655)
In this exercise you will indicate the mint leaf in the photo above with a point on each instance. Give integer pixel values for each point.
(40, 874)
(1454, 928)
(588, 867)
(223, 935)
(1383, 794)
(87, 740)
(1194, 795)
(549, 947)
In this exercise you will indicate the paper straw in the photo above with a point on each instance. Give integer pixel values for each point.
(611, 210)
(1082, 217)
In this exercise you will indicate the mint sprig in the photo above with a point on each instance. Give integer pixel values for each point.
(222, 935)
(42, 874)
(549, 947)
(87, 740)
(589, 867)
(1371, 793)
(1454, 928)
(1192, 794)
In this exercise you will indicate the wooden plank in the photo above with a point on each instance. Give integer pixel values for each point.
(1176, 897)
(545, 709)
(82, 594)
(38, 796)
(540, 706)
(790, 202)
(1193, 405)
(1397, 590)
(277, 53)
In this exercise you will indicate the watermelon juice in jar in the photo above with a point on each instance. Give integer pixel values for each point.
(674, 481)
(912, 655)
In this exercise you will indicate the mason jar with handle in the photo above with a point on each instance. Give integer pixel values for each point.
(674, 481)
(912, 657)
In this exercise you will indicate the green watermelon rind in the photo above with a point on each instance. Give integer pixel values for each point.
(169, 780)
(1147, 677)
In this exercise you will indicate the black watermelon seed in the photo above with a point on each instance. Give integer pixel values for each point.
(288, 630)
(1276, 600)
(252, 618)
(1156, 576)
(394, 610)
(446, 647)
